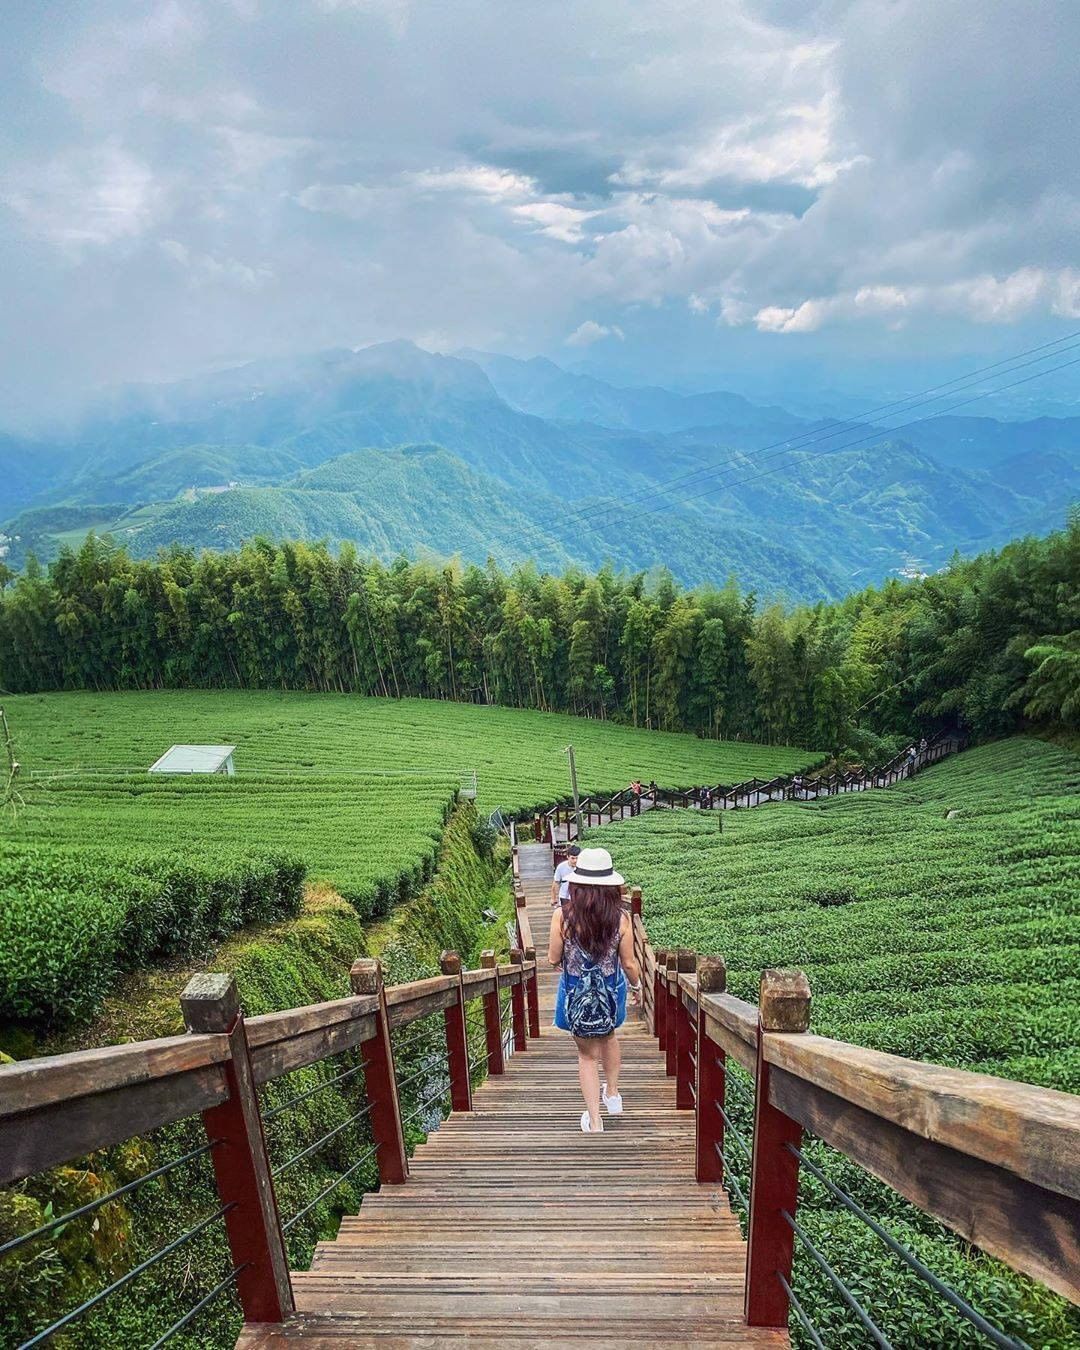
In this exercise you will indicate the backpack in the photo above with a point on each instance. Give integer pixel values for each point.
(590, 1005)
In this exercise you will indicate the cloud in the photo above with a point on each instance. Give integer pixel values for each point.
(100, 197)
(591, 331)
(183, 182)
(981, 299)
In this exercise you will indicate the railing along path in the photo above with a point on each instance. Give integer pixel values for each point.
(509, 1226)
(559, 825)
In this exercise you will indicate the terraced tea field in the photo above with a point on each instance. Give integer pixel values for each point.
(355, 790)
(938, 919)
(518, 755)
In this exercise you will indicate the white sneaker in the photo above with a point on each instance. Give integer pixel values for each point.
(613, 1104)
(586, 1125)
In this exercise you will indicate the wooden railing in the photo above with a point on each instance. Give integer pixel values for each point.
(63, 1107)
(996, 1161)
(562, 820)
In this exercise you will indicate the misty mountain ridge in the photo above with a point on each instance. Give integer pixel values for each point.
(401, 450)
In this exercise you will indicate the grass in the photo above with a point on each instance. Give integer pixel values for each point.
(358, 788)
(357, 791)
(940, 920)
(518, 755)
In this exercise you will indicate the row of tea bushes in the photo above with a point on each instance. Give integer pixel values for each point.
(71, 921)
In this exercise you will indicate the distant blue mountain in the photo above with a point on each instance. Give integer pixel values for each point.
(402, 450)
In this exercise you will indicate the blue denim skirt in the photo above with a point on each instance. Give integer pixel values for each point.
(617, 982)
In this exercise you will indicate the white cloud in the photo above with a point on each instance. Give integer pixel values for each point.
(484, 180)
(96, 198)
(555, 219)
(982, 299)
(591, 331)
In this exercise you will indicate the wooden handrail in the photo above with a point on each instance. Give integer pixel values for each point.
(995, 1160)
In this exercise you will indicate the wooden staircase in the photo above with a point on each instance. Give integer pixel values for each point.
(516, 1229)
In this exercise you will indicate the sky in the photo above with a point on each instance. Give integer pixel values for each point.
(849, 198)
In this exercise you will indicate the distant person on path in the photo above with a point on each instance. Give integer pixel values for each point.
(560, 883)
(912, 756)
(591, 939)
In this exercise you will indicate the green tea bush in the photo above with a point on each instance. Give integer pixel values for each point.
(71, 922)
(962, 947)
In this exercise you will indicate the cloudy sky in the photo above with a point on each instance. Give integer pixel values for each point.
(839, 195)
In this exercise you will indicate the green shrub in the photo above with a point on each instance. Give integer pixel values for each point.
(70, 922)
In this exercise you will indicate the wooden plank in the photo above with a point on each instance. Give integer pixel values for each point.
(284, 1041)
(400, 995)
(282, 1026)
(34, 1140)
(732, 1024)
(279, 1057)
(1034, 1230)
(58, 1079)
(476, 983)
(419, 1006)
(1032, 1131)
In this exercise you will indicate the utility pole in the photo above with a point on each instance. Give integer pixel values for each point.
(573, 788)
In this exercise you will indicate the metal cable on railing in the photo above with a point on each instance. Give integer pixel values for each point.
(837, 1283)
(729, 1179)
(319, 1087)
(364, 1157)
(15, 1243)
(127, 1277)
(324, 1139)
(949, 1294)
(425, 1105)
(424, 1068)
(800, 1314)
(204, 1302)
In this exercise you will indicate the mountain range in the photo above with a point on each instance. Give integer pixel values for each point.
(477, 454)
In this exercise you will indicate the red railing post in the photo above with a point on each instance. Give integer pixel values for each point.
(685, 1035)
(711, 1077)
(210, 1003)
(366, 979)
(517, 1003)
(457, 1038)
(532, 994)
(783, 1006)
(671, 1021)
(660, 999)
(492, 1023)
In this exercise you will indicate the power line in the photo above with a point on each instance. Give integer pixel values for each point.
(862, 440)
(822, 434)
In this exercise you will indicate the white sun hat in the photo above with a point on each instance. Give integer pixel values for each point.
(593, 867)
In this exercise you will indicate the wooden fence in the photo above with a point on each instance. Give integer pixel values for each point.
(996, 1161)
(559, 824)
(62, 1107)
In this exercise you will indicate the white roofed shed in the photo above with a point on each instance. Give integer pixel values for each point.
(196, 759)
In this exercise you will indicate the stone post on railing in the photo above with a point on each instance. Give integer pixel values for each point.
(492, 1021)
(711, 1077)
(457, 1038)
(210, 1003)
(783, 1009)
(517, 1003)
(366, 980)
(685, 1036)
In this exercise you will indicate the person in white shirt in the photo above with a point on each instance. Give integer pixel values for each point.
(560, 885)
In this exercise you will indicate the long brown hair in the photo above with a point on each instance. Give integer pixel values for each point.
(591, 918)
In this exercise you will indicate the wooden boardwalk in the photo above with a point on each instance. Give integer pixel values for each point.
(515, 1229)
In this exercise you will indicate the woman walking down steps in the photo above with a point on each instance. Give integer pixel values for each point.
(592, 940)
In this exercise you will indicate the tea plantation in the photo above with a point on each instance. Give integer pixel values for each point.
(939, 919)
(106, 866)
